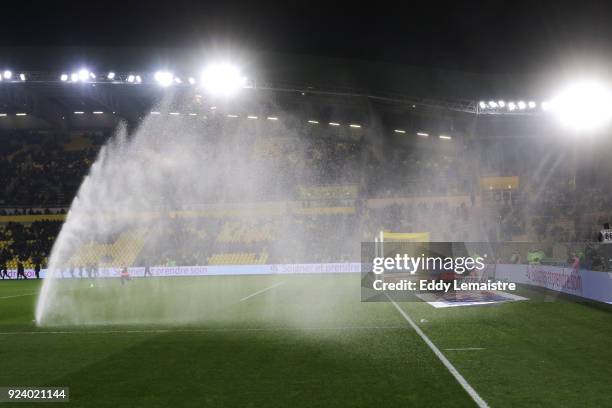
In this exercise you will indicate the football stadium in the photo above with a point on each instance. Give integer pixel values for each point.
(231, 228)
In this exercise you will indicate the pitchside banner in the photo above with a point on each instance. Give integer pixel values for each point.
(595, 285)
(445, 274)
(212, 270)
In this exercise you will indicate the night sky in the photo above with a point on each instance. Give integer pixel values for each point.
(492, 36)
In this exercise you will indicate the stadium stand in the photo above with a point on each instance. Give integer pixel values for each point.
(483, 189)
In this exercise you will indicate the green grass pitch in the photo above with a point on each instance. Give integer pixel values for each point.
(308, 342)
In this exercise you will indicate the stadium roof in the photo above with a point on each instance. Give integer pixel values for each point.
(49, 102)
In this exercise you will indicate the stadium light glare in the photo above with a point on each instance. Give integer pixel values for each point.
(178, 80)
(131, 78)
(175, 113)
(21, 114)
(399, 131)
(2, 115)
(163, 78)
(74, 77)
(422, 134)
(192, 80)
(521, 105)
(334, 124)
(501, 104)
(251, 117)
(79, 112)
(545, 106)
(511, 106)
(111, 75)
(83, 74)
(98, 112)
(272, 118)
(314, 122)
(7, 74)
(531, 104)
(154, 113)
(353, 125)
(584, 105)
(222, 79)
(482, 104)
(231, 115)
(445, 137)
(138, 79)
(492, 104)
(22, 76)
(64, 77)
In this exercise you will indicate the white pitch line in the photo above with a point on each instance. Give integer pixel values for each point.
(462, 381)
(261, 291)
(465, 349)
(247, 329)
(14, 296)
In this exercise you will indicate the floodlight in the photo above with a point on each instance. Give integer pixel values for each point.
(531, 104)
(511, 106)
(7, 74)
(130, 78)
(501, 104)
(521, 105)
(164, 78)
(178, 80)
(545, 105)
(22, 76)
(222, 79)
(74, 77)
(482, 104)
(492, 104)
(138, 79)
(64, 77)
(584, 105)
(83, 75)
(111, 75)
(92, 75)
(192, 80)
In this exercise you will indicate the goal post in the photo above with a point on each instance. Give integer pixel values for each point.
(386, 236)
